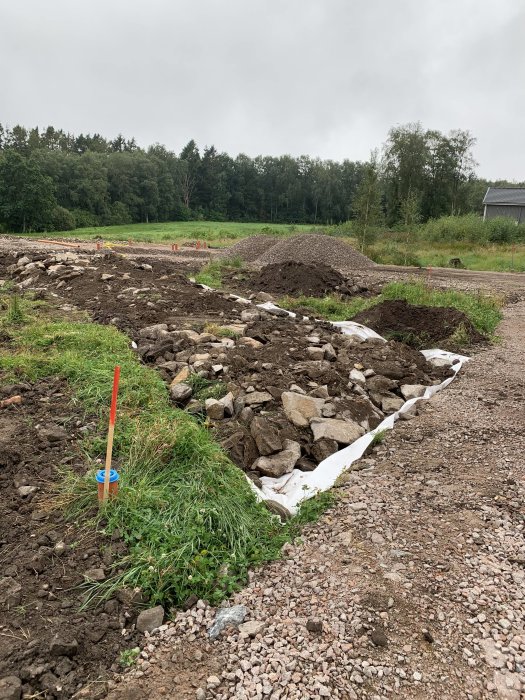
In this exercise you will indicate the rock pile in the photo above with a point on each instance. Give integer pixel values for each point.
(295, 392)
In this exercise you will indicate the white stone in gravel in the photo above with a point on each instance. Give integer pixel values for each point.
(252, 628)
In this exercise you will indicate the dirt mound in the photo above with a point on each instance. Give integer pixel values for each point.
(316, 248)
(417, 325)
(250, 249)
(293, 277)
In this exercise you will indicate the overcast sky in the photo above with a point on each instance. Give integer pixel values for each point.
(326, 78)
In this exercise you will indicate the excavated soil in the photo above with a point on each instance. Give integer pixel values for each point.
(421, 326)
(129, 293)
(297, 278)
(45, 640)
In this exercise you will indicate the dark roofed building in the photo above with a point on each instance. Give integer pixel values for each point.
(505, 201)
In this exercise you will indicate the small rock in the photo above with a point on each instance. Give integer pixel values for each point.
(10, 592)
(299, 409)
(25, 491)
(252, 628)
(214, 409)
(281, 463)
(10, 688)
(256, 397)
(52, 433)
(95, 575)
(378, 637)
(63, 646)
(413, 391)
(150, 619)
(181, 376)
(266, 436)
(314, 625)
(225, 617)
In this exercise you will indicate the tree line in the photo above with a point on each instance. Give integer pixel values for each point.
(53, 180)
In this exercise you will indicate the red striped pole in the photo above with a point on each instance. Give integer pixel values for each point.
(111, 431)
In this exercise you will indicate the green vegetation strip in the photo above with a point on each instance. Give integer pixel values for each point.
(187, 514)
(483, 310)
(211, 274)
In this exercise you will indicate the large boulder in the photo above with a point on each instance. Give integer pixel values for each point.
(342, 431)
(300, 409)
(280, 463)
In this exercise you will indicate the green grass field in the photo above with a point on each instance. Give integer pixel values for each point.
(215, 232)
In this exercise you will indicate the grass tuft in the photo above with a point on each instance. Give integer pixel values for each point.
(211, 274)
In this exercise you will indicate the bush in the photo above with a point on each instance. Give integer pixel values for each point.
(62, 219)
(504, 230)
(470, 228)
(85, 219)
(119, 214)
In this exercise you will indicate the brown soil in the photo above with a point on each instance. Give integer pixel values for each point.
(297, 278)
(420, 326)
(44, 638)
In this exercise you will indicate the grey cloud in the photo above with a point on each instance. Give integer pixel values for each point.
(324, 77)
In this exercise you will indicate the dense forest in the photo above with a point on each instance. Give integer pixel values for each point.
(53, 180)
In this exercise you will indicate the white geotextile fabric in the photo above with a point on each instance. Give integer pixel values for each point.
(290, 489)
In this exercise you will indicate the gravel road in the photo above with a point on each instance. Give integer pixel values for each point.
(412, 586)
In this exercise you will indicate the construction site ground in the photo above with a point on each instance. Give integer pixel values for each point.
(410, 586)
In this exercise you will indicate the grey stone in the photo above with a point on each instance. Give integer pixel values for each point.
(256, 397)
(266, 436)
(157, 331)
(214, 409)
(10, 592)
(315, 353)
(95, 575)
(389, 404)
(62, 646)
(380, 384)
(27, 490)
(53, 433)
(227, 402)
(344, 432)
(329, 352)
(248, 315)
(324, 448)
(299, 409)
(105, 277)
(10, 688)
(358, 377)
(252, 627)
(148, 620)
(227, 617)
(314, 625)
(280, 463)
(412, 391)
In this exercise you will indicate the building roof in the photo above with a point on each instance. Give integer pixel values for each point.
(505, 195)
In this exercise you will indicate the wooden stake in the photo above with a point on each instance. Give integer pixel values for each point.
(111, 431)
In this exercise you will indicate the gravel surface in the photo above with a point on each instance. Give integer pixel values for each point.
(249, 249)
(411, 586)
(315, 248)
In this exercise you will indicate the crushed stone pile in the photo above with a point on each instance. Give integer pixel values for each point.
(417, 325)
(315, 248)
(250, 249)
(292, 277)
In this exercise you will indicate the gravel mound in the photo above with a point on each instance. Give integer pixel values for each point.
(293, 277)
(416, 325)
(316, 248)
(250, 249)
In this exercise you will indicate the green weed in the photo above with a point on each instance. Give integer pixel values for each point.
(128, 657)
